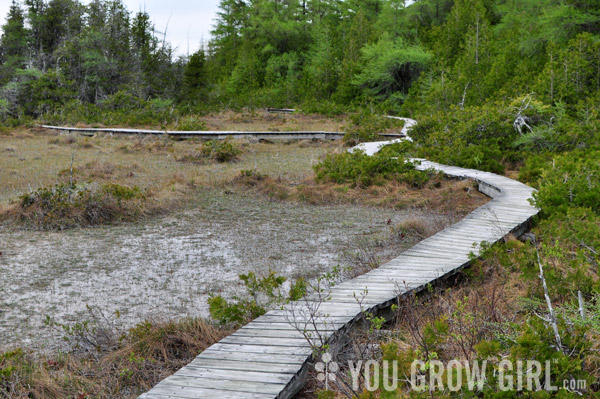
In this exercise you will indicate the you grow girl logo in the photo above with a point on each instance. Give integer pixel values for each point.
(454, 376)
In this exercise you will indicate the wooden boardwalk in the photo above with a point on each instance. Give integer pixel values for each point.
(211, 135)
(269, 357)
(204, 135)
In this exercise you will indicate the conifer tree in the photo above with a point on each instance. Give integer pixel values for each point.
(13, 43)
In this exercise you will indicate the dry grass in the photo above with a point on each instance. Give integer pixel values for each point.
(264, 121)
(170, 172)
(127, 366)
(475, 310)
(257, 120)
(36, 158)
(449, 196)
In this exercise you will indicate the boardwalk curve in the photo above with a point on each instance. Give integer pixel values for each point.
(269, 357)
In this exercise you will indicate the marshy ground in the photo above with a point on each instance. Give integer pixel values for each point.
(207, 228)
(167, 266)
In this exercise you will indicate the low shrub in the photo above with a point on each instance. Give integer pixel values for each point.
(366, 126)
(250, 177)
(531, 172)
(190, 123)
(476, 137)
(262, 293)
(221, 150)
(69, 205)
(120, 109)
(362, 170)
(573, 180)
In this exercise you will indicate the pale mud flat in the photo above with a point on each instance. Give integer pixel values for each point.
(167, 266)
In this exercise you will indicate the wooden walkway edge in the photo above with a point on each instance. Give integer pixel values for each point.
(212, 135)
(269, 357)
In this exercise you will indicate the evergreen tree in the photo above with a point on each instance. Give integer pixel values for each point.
(13, 43)
(195, 77)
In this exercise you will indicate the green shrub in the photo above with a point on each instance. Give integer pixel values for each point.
(366, 126)
(190, 123)
(4, 110)
(534, 167)
(122, 193)
(221, 150)
(261, 294)
(9, 362)
(570, 242)
(475, 137)
(482, 157)
(573, 180)
(362, 170)
(68, 205)
(120, 109)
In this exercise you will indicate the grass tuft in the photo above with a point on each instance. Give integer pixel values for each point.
(68, 205)
(124, 366)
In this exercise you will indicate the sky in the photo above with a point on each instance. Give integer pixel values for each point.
(191, 19)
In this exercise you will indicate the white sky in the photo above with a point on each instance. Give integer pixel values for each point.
(185, 18)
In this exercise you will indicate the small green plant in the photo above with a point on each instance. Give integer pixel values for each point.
(261, 294)
(122, 193)
(98, 333)
(221, 151)
(324, 394)
(190, 123)
(9, 362)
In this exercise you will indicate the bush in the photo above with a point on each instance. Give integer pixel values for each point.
(534, 167)
(214, 150)
(572, 181)
(262, 294)
(476, 137)
(362, 170)
(570, 243)
(190, 123)
(120, 109)
(69, 205)
(221, 151)
(4, 110)
(365, 126)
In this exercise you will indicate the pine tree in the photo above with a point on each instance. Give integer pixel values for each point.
(194, 77)
(14, 42)
(224, 46)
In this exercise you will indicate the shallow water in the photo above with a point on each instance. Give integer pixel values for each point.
(167, 266)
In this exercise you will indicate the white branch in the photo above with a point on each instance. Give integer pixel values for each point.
(549, 303)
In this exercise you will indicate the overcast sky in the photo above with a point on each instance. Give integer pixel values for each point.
(185, 18)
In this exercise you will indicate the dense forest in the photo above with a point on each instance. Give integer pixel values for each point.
(507, 86)
(65, 60)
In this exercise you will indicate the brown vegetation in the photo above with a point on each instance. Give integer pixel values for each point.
(452, 196)
(168, 172)
(264, 121)
(117, 365)
(161, 169)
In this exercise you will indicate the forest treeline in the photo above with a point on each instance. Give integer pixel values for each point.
(63, 60)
